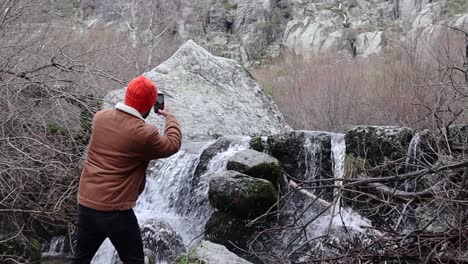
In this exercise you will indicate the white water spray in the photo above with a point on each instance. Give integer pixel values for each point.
(169, 195)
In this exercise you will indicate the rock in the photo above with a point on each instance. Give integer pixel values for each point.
(251, 30)
(256, 164)
(427, 16)
(409, 8)
(230, 231)
(458, 138)
(370, 43)
(430, 32)
(372, 150)
(313, 35)
(240, 194)
(208, 154)
(305, 156)
(208, 94)
(244, 30)
(161, 242)
(259, 144)
(376, 144)
(211, 253)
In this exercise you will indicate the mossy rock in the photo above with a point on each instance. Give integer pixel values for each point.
(306, 156)
(377, 144)
(256, 164)
(257, 144)
(231, 231)
(241, 195)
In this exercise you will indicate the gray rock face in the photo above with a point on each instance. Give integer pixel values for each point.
(230, 231)
(244, 30)
(211, 253)
(256, 164)
(305, 155)
(161, 242)
(370, 43)
(376, 144)
(250, 30)
(212, 96)
(240, 194)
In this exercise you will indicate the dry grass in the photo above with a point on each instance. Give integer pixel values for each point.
(403, 87)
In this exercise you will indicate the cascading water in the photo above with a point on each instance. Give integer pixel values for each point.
(342, 224)
(411, 164)
(170, 197)
(338, 216)
(55, 247)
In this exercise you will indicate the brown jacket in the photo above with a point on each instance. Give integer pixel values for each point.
(121, 146)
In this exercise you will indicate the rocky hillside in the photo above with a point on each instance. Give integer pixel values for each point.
(249, 30)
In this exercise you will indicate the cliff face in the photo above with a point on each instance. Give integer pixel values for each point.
(255, 29)
(249, 30)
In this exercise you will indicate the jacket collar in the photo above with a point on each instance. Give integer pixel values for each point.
(129, 110)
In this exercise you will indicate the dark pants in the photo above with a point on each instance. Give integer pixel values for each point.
(121, 227)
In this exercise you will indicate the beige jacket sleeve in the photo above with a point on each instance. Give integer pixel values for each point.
(162, 146)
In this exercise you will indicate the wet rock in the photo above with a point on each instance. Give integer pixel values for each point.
(230, 231)
(208, 94)
(220, 145)
(161, 242)
(240, 194)
(376, 144)
(256, 164)
(211, 253)
(304, 154)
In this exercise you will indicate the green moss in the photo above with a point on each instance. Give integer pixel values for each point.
(34, 250)
(353, 166)
(230, 5)
(182, 260)
(55, 129)
(256, 144)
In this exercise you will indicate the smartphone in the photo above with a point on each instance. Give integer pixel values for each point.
(159, 103)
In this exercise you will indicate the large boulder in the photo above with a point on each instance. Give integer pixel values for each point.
(161, 242)
(256, 164)
(240, 194)
(376, 144)
(208, 94)
(376, 151)
(304, 154)
(231, 231)
(211, 253)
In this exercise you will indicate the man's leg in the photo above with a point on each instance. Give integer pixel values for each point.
(125, 235)
(89, 237)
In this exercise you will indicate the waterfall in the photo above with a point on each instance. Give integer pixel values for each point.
(412, 159)
(411, 164)
(311, 153)
(338, 146)
(413, 153)
(338, 217)
(56, 247)
(171, 197)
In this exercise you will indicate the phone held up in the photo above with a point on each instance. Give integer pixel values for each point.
(159, 105)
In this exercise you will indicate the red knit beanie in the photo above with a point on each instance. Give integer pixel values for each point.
(141, 94)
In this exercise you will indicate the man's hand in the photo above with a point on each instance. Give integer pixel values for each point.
(166, 110)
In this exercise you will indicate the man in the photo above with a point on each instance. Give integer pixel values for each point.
(113, 176)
